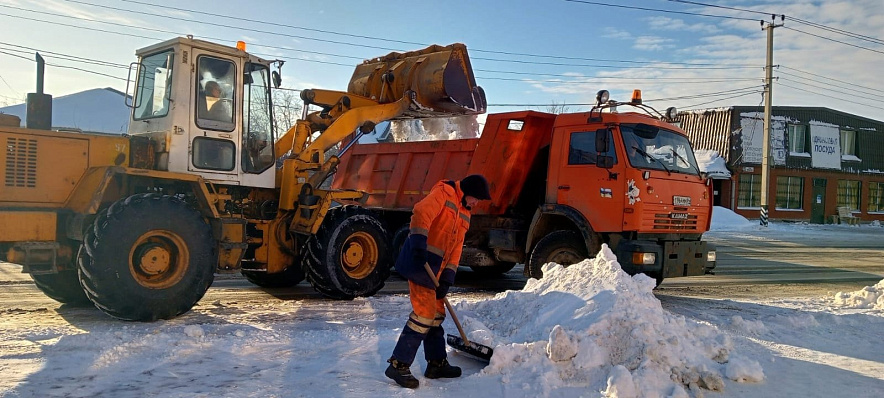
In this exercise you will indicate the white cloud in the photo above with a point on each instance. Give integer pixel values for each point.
(666, 23)
(613, 33)
(652, 43)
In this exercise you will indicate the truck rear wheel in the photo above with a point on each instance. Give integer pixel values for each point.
(560, 247)
(349, 256)
(147, 257)
(292, 276)
(63, 287)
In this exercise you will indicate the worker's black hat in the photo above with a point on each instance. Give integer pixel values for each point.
(476, 186)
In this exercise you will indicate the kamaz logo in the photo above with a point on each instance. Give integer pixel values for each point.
(678, 216)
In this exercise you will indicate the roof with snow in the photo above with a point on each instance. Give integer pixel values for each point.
(99, 110)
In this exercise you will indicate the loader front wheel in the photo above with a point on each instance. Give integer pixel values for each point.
(349, 256)
(63, 287)
(147, 257)
(560, 247)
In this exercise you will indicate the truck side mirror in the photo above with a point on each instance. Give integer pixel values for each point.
(601, 141)
(605, 162)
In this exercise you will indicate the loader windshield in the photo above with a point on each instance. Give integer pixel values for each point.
(659, 149)
(152, 89)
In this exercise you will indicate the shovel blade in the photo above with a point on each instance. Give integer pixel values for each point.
(477, 351)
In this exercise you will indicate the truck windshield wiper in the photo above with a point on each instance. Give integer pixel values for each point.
(687, 163)
(647, 155)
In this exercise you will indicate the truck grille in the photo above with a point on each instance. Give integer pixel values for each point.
(677, 220)
(21, 162)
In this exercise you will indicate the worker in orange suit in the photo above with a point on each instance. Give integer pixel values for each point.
(438, 225)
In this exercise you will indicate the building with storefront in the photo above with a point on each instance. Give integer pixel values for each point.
(821, 159)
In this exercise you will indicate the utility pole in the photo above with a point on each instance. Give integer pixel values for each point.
(768, 96)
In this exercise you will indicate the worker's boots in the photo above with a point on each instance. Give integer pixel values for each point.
(440, 369)
(401, 374)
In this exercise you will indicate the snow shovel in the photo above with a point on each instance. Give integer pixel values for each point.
(462, 343)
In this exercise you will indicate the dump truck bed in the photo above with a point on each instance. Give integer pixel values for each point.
(397, 175)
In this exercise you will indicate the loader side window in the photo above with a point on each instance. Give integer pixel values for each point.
(215, 93)
(257, 145)
(153, 88)
(213, 154)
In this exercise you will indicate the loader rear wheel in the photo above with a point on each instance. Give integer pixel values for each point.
(349, 256)
(292, 276)
(560, 247)
(63, 287)
(147, 257)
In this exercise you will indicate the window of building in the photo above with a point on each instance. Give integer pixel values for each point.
(790, 192)
(797, 138)
(876, 197)
(750, 191)
(848, 193)
(848, 143)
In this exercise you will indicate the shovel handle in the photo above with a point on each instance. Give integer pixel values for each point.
(448, 305)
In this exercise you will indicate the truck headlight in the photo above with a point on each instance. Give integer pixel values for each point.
(710, 257)
(644, 258)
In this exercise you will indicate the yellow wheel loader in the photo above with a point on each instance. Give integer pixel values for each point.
(139, 224)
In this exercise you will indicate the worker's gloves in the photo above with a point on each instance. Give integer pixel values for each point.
(442, 289)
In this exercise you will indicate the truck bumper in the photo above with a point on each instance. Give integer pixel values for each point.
(671, 258)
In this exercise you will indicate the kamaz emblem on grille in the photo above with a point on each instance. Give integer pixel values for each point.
(678, 216)
(681, 200)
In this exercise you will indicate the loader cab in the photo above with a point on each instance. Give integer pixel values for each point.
(207, 109)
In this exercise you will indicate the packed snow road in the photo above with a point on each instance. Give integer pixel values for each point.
(770, 323)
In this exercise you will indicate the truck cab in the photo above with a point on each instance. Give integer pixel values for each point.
(207, 109)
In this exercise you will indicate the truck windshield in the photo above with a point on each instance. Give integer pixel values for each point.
(666, 150)
(153, 86)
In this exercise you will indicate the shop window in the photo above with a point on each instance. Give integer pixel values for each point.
(750, 191)
(876, 197)
(797, 138)
(848, 193)
(790, 192)
(848, 143)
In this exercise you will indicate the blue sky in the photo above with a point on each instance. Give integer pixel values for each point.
(526, 53)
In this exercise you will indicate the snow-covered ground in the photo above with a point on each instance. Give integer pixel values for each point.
(588, 330)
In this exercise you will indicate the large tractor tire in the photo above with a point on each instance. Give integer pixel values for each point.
(63, 287)
(292, 276)
(561, 247)
(349, 256)
(147, 257)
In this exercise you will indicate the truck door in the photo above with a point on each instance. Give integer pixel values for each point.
(597, 192)
(214, 129)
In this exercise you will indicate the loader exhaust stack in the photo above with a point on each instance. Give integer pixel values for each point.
(441, 79)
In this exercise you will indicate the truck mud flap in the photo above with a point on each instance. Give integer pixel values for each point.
(684, 259)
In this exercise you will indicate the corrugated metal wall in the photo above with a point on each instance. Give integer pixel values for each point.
(709, 129)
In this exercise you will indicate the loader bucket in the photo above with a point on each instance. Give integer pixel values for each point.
(441, 79)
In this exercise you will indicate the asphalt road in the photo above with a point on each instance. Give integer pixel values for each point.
(753, 264)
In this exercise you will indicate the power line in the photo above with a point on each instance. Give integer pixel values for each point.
(829, 78)
(660, 10)
(10, 87)
(836, 30)
(613, 77)
(704, 95)
(723, 99)
(66, 67)
(827, 83)
(831, 96)
(828, 88)
(722, 7)
(833, 40)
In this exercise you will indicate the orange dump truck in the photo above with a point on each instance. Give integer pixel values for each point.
(561, 185)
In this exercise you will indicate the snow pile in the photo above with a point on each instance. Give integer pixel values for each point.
(592, 327)
(724, 219)
(435, 129)
(870, 297)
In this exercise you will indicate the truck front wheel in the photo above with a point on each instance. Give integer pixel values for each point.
(349, 256)
(560, 247)
(147, 257)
